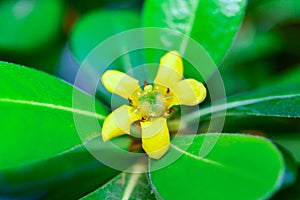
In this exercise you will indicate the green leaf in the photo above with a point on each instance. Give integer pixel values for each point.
(125, 186)
(237, 167)
(37, 116)
(75, 170)
(278, 102)
(23, 28)
(268, 126)
(93, 28)
(213, 24)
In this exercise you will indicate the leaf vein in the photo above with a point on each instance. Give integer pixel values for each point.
(197, 157)
(53, 106)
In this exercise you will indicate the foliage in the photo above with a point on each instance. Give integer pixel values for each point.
(255, 46)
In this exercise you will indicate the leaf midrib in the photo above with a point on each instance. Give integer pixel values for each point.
(53, 106)
(231, 105)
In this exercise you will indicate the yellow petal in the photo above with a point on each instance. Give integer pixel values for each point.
(170, 69)
(189, 92)
(119, 83)
(155, 137)
(119, 122)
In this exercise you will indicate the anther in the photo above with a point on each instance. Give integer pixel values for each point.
(130, 101)
(168, 90)
(169, 111)
(145, 83)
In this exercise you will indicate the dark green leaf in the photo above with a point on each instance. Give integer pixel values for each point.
(269, 126)
(125, 186)
(291, 142)
(291, 170)
(115, 4)
(292, 193)
(270, 13)
(75, 170)
(236, 167)
(278, 102)
(290, 77)
(273, 102)
(37, 116)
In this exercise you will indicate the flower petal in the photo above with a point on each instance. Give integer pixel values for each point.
(170, 69)
(119, 122)
(155, 137)
(119, 83)
(189, 92)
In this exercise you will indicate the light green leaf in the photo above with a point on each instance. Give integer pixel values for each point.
(37, 116)
(93, 28)
(237, 167)
(211, 23)
(125, 186)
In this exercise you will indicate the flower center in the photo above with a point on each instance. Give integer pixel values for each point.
(151, 103)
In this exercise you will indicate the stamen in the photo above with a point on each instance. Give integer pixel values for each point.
(130, 101)
(145, 83)
(169, 111)
(168, 90)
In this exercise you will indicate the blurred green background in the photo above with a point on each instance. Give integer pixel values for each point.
(54, 36)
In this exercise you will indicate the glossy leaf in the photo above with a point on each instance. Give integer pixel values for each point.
(75, 170)
(237, 167)
(23, 28)
(37, 119)
(272, 102)
(211, 23)
(284, 102)
(125, 186)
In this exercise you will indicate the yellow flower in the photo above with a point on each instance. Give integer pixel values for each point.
(151, 105)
